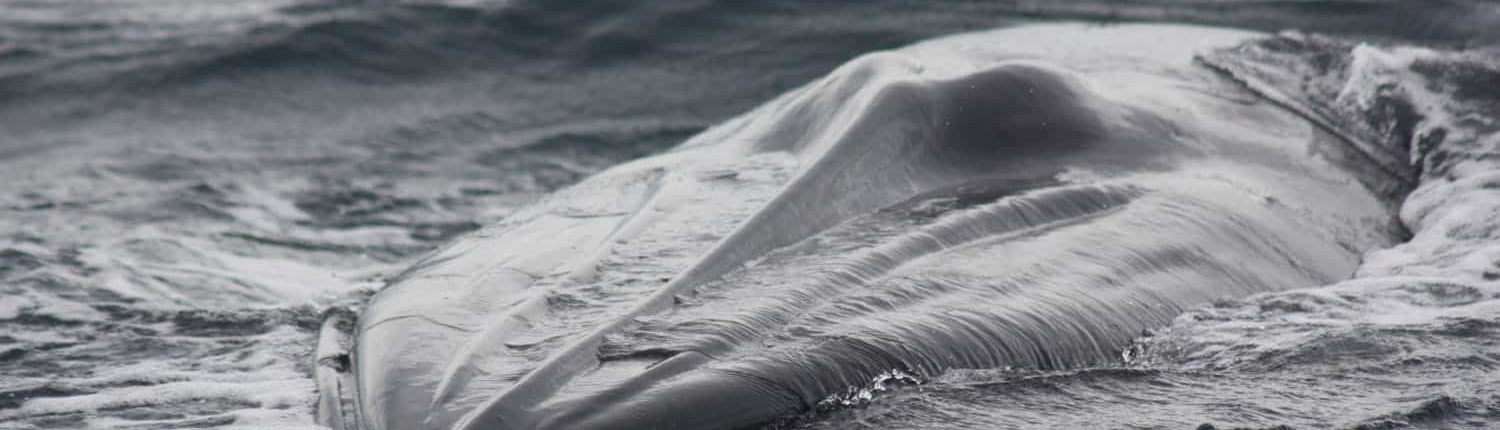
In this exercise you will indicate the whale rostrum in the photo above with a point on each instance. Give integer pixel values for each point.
(1030, 198)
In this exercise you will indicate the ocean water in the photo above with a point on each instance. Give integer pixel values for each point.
(188, 186)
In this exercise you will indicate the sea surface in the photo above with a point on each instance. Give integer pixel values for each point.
(188, 186)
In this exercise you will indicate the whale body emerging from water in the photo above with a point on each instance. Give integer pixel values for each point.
(1029, 198)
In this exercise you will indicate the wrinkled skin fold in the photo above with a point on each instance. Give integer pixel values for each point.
(1030, 198)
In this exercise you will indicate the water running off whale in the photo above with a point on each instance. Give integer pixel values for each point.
(1032, 197)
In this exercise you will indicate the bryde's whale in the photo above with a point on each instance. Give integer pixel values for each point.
(1031, 198)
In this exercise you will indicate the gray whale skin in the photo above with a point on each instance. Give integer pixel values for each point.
(1028, 198)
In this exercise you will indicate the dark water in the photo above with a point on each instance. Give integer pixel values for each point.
(188, 185)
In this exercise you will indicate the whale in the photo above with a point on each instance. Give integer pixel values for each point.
(1025, 198)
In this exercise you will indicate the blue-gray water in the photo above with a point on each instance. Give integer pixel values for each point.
(186, 186)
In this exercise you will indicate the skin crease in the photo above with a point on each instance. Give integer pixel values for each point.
(1145, 239)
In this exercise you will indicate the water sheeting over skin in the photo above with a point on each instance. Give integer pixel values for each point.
(1032, 198)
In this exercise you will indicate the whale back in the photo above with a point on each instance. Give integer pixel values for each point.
(1029, 198)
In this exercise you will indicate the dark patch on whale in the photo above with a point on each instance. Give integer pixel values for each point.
(1015, 111)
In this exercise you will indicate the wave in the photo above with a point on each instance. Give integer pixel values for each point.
(363, 43)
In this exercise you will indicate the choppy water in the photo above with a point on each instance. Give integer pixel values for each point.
(188, 186)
